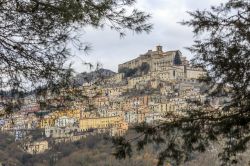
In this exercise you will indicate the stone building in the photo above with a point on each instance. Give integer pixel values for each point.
(36, 147)
(168, 65)
(157, 60)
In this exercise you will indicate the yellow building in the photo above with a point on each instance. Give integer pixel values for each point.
(119, 130)
(47, 122)
(98, 123)
(68, 113)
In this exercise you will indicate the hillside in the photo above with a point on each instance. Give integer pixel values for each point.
(85, 77)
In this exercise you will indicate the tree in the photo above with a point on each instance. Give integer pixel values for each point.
(144, 67)
(177, 58)
(35, 34)
(222, 48)
(128, 72)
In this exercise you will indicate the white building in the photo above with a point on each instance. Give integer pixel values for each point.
(64, 121)
(152, 117)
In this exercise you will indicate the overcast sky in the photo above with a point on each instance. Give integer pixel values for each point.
(110, 50)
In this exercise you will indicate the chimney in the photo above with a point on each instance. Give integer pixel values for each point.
(159, 48)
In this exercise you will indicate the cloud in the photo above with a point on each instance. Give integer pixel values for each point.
(110, 50)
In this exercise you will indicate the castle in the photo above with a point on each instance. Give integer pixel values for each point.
(170, 64)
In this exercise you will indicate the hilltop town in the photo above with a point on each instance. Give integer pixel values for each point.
(144, 90)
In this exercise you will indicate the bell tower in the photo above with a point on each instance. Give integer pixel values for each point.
(159, 48)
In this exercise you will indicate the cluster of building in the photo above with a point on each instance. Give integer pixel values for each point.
(144, 90)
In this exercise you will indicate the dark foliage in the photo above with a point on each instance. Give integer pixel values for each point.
(123, 148)
(128, 72)
(144, 68)
(82, 78)
(177, 59)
